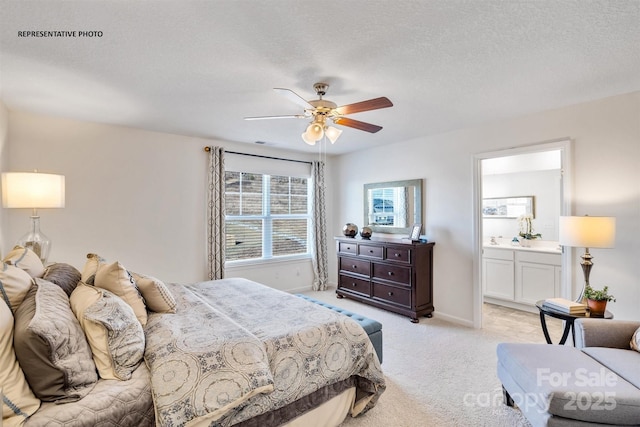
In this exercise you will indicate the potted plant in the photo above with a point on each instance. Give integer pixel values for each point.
(597, 300)
(525, 221)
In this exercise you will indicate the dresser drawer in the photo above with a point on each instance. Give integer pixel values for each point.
(370, 251)
(354, 265)
(351, 284)
(399, 255)
(349, 248)
(391, 294)
(392, 273)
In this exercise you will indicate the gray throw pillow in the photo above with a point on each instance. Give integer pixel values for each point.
(51, 346)
(64, 275)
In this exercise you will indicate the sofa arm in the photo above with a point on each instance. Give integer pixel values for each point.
(604, 332)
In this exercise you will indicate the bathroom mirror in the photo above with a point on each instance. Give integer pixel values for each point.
(393, 207)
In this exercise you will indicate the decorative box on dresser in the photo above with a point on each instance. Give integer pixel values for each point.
(387, 273)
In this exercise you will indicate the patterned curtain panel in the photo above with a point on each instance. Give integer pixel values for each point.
(215, 214)
(319, 229)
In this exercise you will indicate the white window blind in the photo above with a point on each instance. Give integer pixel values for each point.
(267, 216)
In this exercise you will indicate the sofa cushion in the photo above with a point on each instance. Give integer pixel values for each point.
(25, 259)
(64, 275)
(18, 401)
(51, 346)
(14, 285)
(625, 363)
(568, 383)
(115, 335)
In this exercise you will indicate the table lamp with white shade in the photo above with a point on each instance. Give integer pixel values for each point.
(33, 190)
(587, 232)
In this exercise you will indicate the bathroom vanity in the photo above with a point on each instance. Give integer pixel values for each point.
(517, 276)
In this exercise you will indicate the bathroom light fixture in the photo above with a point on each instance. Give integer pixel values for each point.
(587, 232)
(36, 191)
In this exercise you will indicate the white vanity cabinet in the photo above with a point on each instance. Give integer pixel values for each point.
(518, 277)
(537, 276)
(498, 273)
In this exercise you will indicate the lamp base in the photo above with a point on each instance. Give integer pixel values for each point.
(36, 240)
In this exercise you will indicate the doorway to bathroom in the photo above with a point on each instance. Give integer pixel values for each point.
(519, 195)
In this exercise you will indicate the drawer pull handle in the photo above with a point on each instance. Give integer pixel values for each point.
(370, 251)
(390, 294)
(354, 266)
(354, 285)
(391, 273)
(348, 248)
(396, 255)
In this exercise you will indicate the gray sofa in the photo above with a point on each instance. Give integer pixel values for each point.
(595, 383)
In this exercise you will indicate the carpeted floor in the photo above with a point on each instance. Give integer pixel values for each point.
(438, 373)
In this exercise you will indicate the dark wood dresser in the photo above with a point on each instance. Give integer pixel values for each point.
(387, 273)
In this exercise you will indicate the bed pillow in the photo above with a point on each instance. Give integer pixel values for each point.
(116, 279)
(18, 401)
(25, 259)
(155, 293)
(91, 268)
(64, 275)
(51, 346)
(14, 285)
(115, 335)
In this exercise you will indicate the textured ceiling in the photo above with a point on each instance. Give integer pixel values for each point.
(198, 67)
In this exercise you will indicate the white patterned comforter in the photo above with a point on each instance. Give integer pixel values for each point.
(236, 349)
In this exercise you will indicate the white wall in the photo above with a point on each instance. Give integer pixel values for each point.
(544, 186)
(131, 195)
(606, 135)
(4, 161)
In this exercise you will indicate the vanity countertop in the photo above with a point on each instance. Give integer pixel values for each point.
(543, 246)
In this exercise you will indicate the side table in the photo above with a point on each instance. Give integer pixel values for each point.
(568, 321)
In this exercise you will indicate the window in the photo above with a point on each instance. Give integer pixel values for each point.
(267, 216)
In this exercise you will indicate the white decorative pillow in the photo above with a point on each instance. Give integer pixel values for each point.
(115, 278)
(14, 285)
(635, 340)
(18, 401)
(155, 293)
(25, 259)
(115, 335)
(91, 268)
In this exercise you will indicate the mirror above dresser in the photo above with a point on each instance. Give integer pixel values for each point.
(393, 206)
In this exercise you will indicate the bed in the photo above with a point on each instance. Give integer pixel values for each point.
(234, 352)
(250, 355)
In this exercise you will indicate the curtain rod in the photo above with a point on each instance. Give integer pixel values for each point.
(207, 149)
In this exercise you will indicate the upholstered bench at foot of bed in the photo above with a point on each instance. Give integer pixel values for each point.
(373, 328)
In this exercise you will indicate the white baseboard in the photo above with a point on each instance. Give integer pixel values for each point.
(453, 319)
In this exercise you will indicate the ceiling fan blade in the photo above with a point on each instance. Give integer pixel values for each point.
(292, 96)
(294, 116)
(356, 124)
(371, 104)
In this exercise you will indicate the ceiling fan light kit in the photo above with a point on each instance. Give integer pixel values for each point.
(321, 109)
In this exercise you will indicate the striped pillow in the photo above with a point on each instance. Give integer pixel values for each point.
(14, 285)
(25, 259)
(18, 401)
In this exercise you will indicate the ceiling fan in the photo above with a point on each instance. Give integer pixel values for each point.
(320, 111)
